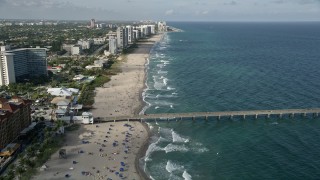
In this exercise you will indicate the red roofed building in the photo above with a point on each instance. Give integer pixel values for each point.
(14, 117)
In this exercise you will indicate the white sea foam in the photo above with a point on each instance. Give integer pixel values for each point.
(160, 65)
(162, 103)
(158, 86)
(165, 81)
(150, 126)
(171, 106)
(177, 138)
(166, 134)
(157, 107)
(201, 150)
(171, 167)
(174, 147)
(197, 147)
(165, 96)
(186, 175)
(170, 88)
(162, 72)
(153, 147)
(165, 62)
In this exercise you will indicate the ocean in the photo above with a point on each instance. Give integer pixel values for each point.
(225, 66)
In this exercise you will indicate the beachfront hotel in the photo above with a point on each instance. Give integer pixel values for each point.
(14, 117)
(20, 63)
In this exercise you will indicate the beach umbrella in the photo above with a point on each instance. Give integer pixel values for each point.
(121, 169)
(116, 173)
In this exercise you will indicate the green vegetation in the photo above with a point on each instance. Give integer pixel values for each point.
(52, 36)
(103, 76)
(36, 154)
(73, 127)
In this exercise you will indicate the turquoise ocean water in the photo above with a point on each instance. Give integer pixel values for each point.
(235, 66)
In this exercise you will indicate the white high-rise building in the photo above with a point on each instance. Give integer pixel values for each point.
(153, 29)
(130, 38)
(112, 45)
(162, 26)
(7, 75)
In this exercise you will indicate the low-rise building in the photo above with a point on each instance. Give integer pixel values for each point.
(72, 49)
(99, 41)
(87, 118)
(98, 64)
(85, 44)
(62, 91)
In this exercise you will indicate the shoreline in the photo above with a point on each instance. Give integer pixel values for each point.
(142, 151)
(129, 86)
(99, 150)
(141, 154)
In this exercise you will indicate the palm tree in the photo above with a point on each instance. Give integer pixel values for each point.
(30, 163)
(22, 161)
(20, 171)
(10, 175)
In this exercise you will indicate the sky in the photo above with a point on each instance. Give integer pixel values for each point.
(167, 10)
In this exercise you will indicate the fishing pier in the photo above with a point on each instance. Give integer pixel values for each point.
(314, 112)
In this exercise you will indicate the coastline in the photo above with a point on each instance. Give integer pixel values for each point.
(134, 87)
(90, 150)
(145, 146)
(141, 153)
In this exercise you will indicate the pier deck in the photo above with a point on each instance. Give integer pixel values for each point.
(255, 113)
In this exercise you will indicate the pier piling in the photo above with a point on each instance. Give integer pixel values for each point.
(315, 115)
(291, 115)
(304, 115)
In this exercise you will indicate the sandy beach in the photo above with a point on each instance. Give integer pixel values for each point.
(99, 151)
(122, 95)
(109, 150)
